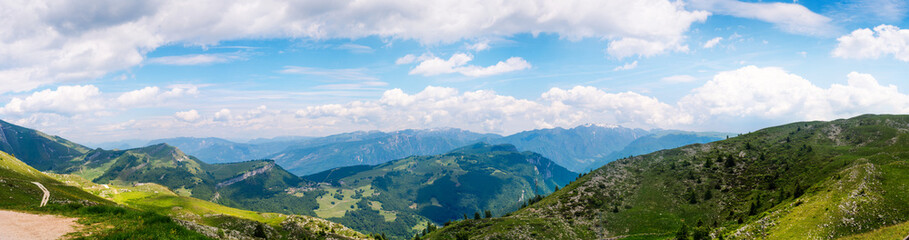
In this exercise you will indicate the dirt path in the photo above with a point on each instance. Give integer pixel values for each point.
(16, 225)
(46, 194)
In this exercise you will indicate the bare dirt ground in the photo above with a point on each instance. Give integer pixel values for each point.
(16, 225)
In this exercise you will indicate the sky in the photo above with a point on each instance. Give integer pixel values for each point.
(109, 70)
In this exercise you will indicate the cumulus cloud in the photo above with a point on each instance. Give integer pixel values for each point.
(72, 100)
(789, 17)
(65, 100)
(758, 95)
(487, 111)
(44, 43)
(773, 93)
(153, 95)
(222, 115)
(712, 42)
(457, 63)
(627, 66)
(872, 44)
(746, 93)
(188, 116)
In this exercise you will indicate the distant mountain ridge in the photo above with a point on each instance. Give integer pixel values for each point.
(579, 149)
(374, 148)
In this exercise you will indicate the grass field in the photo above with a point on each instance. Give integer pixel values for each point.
(330, 206)
(158, 199)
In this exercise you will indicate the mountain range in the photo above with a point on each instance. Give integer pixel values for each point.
(448, 174)
(579, 149)
(396, 196)
(807, 180)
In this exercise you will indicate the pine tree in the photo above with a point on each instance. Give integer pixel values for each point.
(798, 190)
(730, 162)
(692, 198)
(476, 215)
(682, 234)
(488, 214)
(753, 209)
(708, 195)
(700, 234)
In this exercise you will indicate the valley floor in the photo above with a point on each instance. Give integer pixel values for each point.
(17, 225)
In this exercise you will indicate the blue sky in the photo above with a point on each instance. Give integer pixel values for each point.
(117, 70)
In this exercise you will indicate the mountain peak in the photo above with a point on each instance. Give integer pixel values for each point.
(602, 125)
(482, 147)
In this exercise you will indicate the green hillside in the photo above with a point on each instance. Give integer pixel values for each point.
(37, 149)
(401, 196)
(259, 185)
(100, 219)
(810, 180)
(212, 219)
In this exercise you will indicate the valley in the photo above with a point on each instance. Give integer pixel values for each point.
(698, 187)
(454, 120)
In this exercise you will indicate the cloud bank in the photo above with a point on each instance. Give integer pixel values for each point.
(769, 95)
(53, 42)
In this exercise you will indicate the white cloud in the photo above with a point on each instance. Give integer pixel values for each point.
(44, 43)
(72, 100)
(863, 94)
(150, 96)
(712, 42)
(872, 44)
(627, 47)
(627, 66)
(789, 17)
(479, 46)
(487, 111)
(737, 100)
(406, 59)
(188, 116)
(678, 79)
(457, 63)
(222, 115)
(355, 48)
(746, 93)
(65, 100)
(344, 74)
(773, 93)
(193, 59)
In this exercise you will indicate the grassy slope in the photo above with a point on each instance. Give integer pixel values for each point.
(100, 219)
(802, 180)
(159, 199)
(170, 167)
(37, 149)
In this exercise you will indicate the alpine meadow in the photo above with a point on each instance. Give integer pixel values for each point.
(454, 119)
